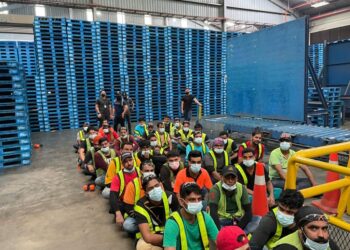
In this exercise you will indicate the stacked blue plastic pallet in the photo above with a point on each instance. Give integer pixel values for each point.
(335, 106)
(83, 61)
(54, 74)
(316, 56)
(15, 149)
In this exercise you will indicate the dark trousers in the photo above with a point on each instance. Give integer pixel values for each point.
(118, 121)
(187, 115)
(127, 120)
(100, 120)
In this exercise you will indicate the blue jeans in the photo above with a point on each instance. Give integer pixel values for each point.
(187, 115)
(130, 226)
(302, 183)
(250, 227)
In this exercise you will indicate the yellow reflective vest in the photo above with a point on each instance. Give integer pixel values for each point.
(122, 180)
(222, 202)
(212, 154)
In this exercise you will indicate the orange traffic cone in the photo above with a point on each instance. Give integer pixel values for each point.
(259, 204)
(329, 201)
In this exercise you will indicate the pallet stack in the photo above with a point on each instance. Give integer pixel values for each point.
(335, 106)
(316, 56)
(15, 145)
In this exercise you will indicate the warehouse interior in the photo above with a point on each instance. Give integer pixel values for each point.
(280, 65)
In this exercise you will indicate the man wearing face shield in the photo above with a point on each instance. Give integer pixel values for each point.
(278, 164)
(255, 143)
(190, 227)
(279, 222)
(198, 144)
(215, 161)
(228, 201)
(312, 233)
(170, 169)
(117, 191)
(152, 212)
(103, 108)
(246, 176)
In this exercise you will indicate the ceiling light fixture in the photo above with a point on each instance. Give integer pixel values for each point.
(319, 4)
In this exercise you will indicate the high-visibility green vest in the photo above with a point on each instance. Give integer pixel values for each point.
(137, 186)
(100, 172)
(202, 229)
(229, 145)
(222, 202)
(153, 229)
(92, 150)
(204, 147)
(118, 164)
(82, 135)
(166, 137)
(271, 243)
(172, 177)
(185, 138)
(241, 171)
(212, 154)
(122, 180)
(244, 145)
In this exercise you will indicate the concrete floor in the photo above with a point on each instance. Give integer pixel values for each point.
(44, 207)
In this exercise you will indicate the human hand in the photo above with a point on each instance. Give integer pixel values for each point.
(119, 220)
(271, 201)
(99, 115)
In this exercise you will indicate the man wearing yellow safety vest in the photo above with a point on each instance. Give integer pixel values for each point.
(215, 161)
(169, 170)
(312, 234)
(189, 228)
(144, 154)
(152, 140)
(102, 159)
(197, 144)
(279, 222)
(246, 176)
(175, 133)
(119, 182)
(114, 167)
(140, 129)
(254, 143)
(134, 192)
(85, 145)
(185, 135)
(199, 128)
(89, 162)
(151, 213)
(230, 146)
(163, 138)
(82, 134)
(168, 125)
(228, 201)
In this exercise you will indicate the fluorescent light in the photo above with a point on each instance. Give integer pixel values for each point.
(4, 12)
(89, 15)
(40, 10)
(121, 17)
(148, 20)
(319, 4)
(184, 23)
(98, 13)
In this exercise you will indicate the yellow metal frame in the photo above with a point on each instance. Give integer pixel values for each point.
(199, 112)
(304, 157)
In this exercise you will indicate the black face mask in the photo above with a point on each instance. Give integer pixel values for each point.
(103, 95)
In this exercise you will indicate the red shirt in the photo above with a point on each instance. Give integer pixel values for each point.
(109, 136)
(128, 177)
(256, 153)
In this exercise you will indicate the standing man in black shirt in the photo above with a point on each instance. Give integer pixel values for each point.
(120, 109)
(186, 104)
(103, 108)
(130, 106)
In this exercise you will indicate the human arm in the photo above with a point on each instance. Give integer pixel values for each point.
(97, 109)
(279, 170)
(125, 109)
(182, 106)
(110, 110)
(211, 227)
(247, 207)
(263, 233)
(214, 197)
(308, 174)
(240, 155)
(197, 102)
(81, 152)
(271, 198)
(171, 235)
(148, 237)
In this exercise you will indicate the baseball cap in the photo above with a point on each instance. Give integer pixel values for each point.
(307, 214)
(125, 156)
(229, 170)
(231, 237)
(218, 142)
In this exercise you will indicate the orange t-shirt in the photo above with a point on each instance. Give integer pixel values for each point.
(111, 171)
(203, 179)
(129, 194)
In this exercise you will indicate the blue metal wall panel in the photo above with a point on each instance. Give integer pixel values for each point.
(266, 72)
(338, 63)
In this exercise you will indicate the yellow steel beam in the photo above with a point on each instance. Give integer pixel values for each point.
(339, 223)
(326, 187)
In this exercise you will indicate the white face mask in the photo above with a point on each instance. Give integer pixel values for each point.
(285, 145)
(227, 187)
(313, 245)
(225, 141)
(105, 150)
(154, 143)
(194, 207)
(145, 152)
(146, 174)
(162, 130)
(156, 194)
(105, 130)
(248, 163)
(129, 170)
(195, 168)
(177, 124)
(186, 129)
(92, 136)
(198, 140)
(174, 165)
(85, 129)
(124, 136)
(285, 219)
(218, 150)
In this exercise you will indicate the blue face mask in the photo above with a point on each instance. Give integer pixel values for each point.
(195, 168)
(285, 219)
(156, 194)
(194, 207)
(313, 245)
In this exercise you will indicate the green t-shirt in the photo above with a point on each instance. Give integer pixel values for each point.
(277, 158)
(231, 205)
(194, 241)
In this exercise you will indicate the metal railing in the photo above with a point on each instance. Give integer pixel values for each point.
(304, 157)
